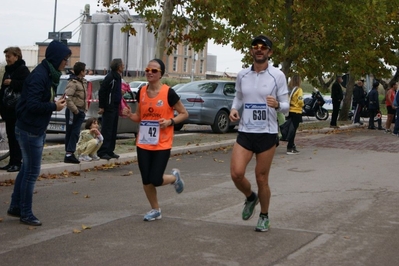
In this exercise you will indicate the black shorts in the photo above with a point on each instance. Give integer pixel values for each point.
(257, 142)
(152, 165)
(390, 110)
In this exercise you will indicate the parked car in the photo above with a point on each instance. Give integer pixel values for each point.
(57, 121)
(136, 85)
(208, 102)
(178, 86)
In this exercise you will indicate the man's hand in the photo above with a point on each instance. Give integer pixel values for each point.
(101, 111)
(234, 115)
(61, 103)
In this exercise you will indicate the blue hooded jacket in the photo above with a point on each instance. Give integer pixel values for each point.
(36, 105)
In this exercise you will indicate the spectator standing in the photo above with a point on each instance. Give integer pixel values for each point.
(262, 91)
(90, 141)
(155, 113)
(391, 109)
(374, 106)
(359, 100)
(75, 94)
(337, 95)
(15, 74)
(34, 110)
(110, 95)
(295, 113)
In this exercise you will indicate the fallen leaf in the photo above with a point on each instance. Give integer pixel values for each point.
(76, 231)
(1, 219)
(87, 196)
(84, 227)
(75, 192)
(31, 228)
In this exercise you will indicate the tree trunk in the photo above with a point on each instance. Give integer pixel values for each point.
(347, 102)
(163, 30)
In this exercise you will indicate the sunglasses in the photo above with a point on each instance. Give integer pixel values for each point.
(152, 70)
(261, 46)
(66, 59)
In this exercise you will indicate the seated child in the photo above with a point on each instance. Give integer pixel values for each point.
(90, 141)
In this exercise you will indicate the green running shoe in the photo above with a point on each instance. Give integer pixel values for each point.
(249, 207)
(263, 224)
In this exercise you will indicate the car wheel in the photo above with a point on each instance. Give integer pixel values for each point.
(177, 127)
(221, 123)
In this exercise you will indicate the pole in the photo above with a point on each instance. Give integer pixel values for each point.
(55, 15)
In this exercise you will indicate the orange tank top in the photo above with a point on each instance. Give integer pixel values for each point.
(153, 109)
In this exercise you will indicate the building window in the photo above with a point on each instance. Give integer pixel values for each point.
(176, 51)
(185, 65)
(185, 49)
(202, 66)
(175, 63)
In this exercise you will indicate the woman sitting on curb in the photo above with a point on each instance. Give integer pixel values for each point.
(90, 141)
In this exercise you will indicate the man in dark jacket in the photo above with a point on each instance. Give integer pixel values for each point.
(110, 96)
(34, 110)
(336, 95)
(374, 106)
(359, 100)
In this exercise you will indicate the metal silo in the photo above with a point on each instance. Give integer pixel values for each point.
(119, 42)
(104, 45)
(136, 46)
(100, 17)
(149, 48)
(88, 45)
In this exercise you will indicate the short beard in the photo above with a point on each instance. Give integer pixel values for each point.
(261, 61)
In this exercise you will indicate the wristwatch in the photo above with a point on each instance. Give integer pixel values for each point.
(172, 122)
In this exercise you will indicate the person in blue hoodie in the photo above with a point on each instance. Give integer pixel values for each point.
(34, 110)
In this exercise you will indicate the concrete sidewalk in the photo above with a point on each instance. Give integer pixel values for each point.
(334, 204)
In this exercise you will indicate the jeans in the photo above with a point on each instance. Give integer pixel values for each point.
(73, 124)
(336, 105)
(32, 150)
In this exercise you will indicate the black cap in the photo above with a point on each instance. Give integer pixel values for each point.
(262, 39)
(161, 64)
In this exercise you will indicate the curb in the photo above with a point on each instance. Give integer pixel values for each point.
(59, 168)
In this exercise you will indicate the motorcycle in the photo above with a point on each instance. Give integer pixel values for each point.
(313, 106)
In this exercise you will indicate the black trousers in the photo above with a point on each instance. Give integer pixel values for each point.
(15, 150)
(336, 105)
(109, 127)
(296, 119)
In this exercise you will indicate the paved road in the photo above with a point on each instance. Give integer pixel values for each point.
(334, 204)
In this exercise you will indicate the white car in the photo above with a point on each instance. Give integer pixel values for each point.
(136, 85)
(57, 120)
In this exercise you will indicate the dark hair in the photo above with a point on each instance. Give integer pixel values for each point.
(90, 122)
(392, 83)
(115, 63)
(16, 51)
(161, 64)
(78, 67)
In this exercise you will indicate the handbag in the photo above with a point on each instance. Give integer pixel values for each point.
(287, 130)
(10, 97)
(122, 106)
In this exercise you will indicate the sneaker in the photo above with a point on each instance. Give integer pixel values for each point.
(395, 134)
(263, 224)
(94, 157)
(179, 183)
(249, 207)
(388, 131)
(293, 151)
(85, 158)
(71, 159)
(113, 155)
(153, 215)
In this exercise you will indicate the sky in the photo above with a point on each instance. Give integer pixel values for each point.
(25, 22)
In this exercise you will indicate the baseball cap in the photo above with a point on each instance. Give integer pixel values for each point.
(262, 39)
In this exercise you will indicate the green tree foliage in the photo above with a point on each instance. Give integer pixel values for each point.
(315, 38)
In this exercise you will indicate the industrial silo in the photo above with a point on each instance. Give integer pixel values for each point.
(88, 45)
(119, 42)
(100, 17)
(104, 45)
(136, 46)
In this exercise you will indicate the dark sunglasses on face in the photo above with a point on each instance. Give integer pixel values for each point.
(261, 46)
(152, 70)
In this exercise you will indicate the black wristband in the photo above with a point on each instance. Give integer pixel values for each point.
(173, 122)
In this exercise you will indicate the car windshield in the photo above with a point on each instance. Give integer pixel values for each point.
(208, 87)
(135, 84)
(61, 86)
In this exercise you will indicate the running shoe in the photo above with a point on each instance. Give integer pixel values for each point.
(95, 157)
(263, 224)
(84, 158)
(292, 151)
(179, 183)
(153, 215)
(249, 207)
